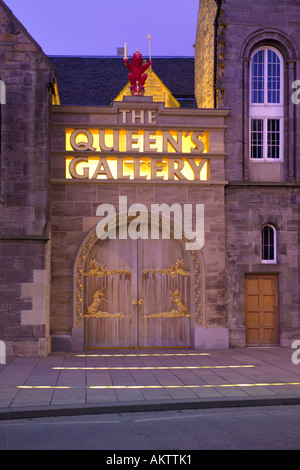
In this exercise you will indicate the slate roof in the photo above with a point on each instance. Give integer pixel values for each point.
(97, 81)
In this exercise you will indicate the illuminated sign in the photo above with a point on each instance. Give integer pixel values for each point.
(137, 153)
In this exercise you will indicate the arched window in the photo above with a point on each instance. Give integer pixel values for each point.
(268, 244)
(266, 105)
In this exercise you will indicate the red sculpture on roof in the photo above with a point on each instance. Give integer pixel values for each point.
(137, 77)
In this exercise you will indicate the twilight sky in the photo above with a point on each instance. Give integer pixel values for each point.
(98, 27)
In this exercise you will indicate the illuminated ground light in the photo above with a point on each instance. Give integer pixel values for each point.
(149, 367)
(140, 387)
(141, 355)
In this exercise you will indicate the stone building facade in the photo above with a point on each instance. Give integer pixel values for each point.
(27, 75)
(262, 190)
(75, 245)
(235, 154)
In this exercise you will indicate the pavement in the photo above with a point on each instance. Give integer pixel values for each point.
(131, 380)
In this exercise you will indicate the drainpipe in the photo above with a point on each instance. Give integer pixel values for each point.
(216, 24)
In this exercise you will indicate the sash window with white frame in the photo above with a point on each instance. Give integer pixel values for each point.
(266, 105)
(268, 245)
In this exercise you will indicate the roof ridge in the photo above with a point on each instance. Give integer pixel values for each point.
(114, 57)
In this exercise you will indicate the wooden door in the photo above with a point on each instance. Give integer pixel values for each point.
(261, 310)
(137, 295)
(164, 292)
(110, 286)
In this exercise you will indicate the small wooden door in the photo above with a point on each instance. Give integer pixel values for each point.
(137, 294)
(261, 310)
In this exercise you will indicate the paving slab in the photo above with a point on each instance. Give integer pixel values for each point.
(134, 380)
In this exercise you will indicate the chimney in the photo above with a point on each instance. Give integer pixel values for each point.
(120, 51)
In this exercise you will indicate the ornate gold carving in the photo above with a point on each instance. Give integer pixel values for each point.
(197, 287)
(93, 312)
(182, 312)
(98, 270)
(79, 277)
(97, 299)
(177, 269)
(107, 315)
(176, 297)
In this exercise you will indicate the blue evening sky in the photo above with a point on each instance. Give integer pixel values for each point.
(98, 27)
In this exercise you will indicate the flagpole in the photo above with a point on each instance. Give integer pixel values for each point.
(149, 37)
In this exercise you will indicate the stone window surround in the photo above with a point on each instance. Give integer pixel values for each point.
(289, 51)
(267, 111)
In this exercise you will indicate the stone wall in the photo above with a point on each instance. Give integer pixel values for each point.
(257, 193)
(248, 208)
(204, 54)
(24, 230)
(24, 306)
(242, 28)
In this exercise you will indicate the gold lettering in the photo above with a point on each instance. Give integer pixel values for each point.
(197, 168)
(130, 141)
(151, 117)
(154, 169)
(199, 144)
(105, 171)
(136, 168)
(136, 140)
(103, 147)
(124, 112)
(137, 175)
(137, 114)
(120, 175)
(72, 168)
(116, 140)
(168, 138)
(176, 171)
(82, 146)
(148, 141)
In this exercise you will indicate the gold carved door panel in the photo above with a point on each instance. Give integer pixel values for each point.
(164, 290)
(137, 294)
(110, 286)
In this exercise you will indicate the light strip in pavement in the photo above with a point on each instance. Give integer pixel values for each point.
(150, 367)
(136, 387)
(142, 355)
